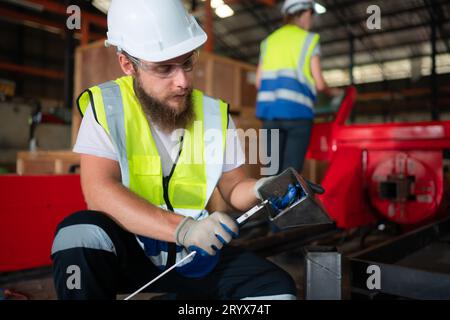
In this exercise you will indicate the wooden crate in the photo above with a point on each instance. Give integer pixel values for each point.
(94, 64)
(47, 162)
(230, 80)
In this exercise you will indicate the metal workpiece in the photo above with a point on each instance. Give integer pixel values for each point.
(306, 210)
(323, 273)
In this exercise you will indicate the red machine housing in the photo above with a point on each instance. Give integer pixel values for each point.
(30, 209)
(392, 171)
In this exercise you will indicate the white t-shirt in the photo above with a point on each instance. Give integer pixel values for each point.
(93, 140)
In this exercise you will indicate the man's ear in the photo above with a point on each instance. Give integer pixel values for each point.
(126, 65)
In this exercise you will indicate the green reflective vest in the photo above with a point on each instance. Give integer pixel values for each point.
(118, 111)
(287, 89)
(199, 166)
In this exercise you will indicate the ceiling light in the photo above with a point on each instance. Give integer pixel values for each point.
(224, 11)
(216, 3)
(102, 5)
(320, 9)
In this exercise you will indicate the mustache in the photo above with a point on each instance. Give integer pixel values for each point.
(182, 93)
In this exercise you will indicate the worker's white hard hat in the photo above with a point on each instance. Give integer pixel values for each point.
(153, 30)
(293, 6)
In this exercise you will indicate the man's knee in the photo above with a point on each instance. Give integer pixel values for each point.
(264, 280)
(84, 229)
(276, 284)
(85, 247)
(86, 217)
(284, 287)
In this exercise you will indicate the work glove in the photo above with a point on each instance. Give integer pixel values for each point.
(314, 187)
(259, 184)
(208, 235)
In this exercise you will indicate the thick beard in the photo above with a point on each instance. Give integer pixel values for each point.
(163, 116)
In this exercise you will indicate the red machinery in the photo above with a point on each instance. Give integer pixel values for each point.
(30, 209)
(393, 170)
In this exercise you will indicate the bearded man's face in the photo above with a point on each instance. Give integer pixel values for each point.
(165, 116)
(167, 101)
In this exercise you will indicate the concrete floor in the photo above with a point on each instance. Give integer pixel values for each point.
(36, 284)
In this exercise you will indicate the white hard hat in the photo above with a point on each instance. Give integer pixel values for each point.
(293, 6)
(153, 30)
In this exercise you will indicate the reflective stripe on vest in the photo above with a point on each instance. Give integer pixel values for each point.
(286, 73)
(199, 166)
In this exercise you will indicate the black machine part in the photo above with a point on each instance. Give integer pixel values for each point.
(323, 273)
(415, 265)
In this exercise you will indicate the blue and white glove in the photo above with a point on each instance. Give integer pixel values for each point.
(206, 236)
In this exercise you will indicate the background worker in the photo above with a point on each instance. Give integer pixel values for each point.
(145, 192)
(288, 78)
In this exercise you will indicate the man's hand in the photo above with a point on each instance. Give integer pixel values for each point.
(207, 235)
(316, 188)
(259, 184)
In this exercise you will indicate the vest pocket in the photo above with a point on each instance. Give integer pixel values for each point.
(146, 178)
(188, 196)
(146, 165)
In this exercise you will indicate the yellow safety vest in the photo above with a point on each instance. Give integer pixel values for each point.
(287, 88)
(199, 166)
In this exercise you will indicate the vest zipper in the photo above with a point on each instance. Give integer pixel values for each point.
(166, 181)
(172, 247)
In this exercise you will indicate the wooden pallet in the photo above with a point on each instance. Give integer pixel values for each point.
(47, 162)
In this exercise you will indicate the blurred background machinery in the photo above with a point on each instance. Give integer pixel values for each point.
(389, 171)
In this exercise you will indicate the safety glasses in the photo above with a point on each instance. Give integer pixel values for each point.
(167, 70)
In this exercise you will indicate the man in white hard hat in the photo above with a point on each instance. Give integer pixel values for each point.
(289, 76)
(148, 168)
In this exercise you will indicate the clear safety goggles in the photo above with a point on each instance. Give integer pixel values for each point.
(167, 70)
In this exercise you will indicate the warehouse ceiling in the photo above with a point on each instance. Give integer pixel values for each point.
(405, 30)
(404, 39)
